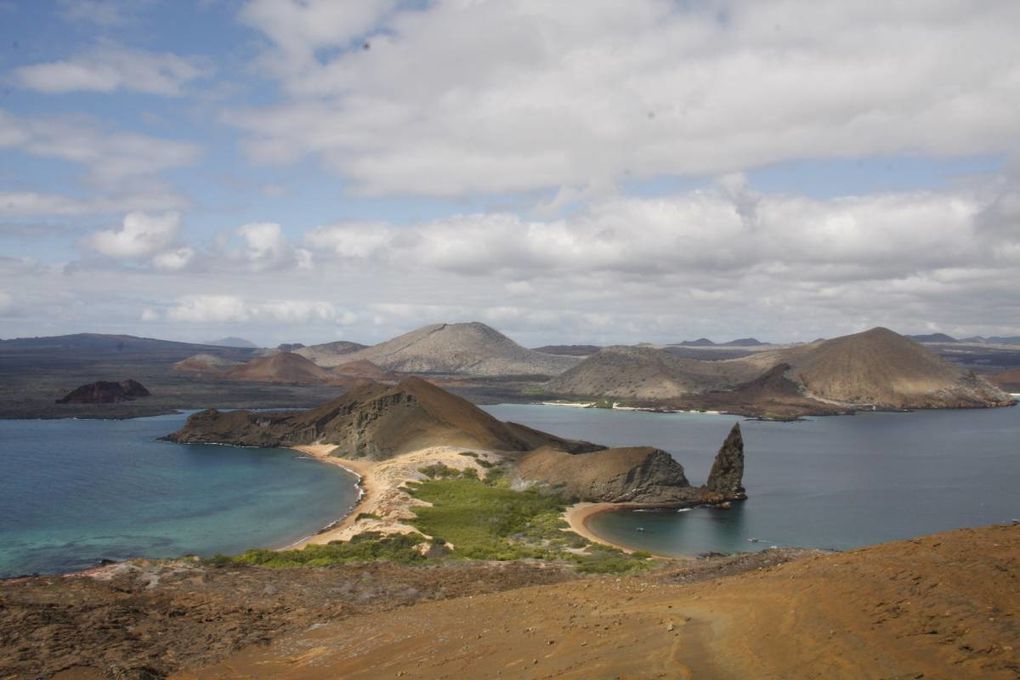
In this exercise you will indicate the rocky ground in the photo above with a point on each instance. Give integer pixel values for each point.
(146, 619)
(939, 607)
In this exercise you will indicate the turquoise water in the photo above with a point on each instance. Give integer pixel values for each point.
(73, 492)
(837, 482)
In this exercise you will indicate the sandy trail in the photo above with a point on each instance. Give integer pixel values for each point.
(944, 606)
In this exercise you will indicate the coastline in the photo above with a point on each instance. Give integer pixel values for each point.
(366, 492)
(577, 516)
(375, 489)
(383, 505)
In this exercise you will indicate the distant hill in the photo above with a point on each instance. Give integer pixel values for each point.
(282, 367)
(1007, 380)
(329, 353)
(568, 350)
(743, 342)
(458, 349)
(231, 341)
(97, 342)
(933, 338)
(207, 365)
(363, 368)
(700, 342)
(877, 368)
(884, 369)
(375, 421)
(648, 374)
(1004, 340)
(106, 392)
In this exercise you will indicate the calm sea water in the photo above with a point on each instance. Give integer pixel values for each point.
(73, 492)
(836, 482)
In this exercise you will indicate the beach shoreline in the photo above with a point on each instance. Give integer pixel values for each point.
(383, 505)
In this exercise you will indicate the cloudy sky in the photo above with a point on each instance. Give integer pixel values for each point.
(598, 171)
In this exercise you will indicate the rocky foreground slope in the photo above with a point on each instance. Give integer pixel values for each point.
(875, 369)
(939, 607)
(377, 422)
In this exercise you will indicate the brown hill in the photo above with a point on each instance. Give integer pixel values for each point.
(938, 607)
(457, 349)
(378, 422)
(877, 368)
(1007, 380)
(639, 474)
(329, 353)
(884, 369)
(374, 421)
(648, 374)
(363, 369)
(282, 367)
(205, 365)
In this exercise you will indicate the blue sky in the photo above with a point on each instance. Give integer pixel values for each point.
(305, 170)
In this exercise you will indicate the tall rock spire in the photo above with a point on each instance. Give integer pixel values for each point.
(727, 476)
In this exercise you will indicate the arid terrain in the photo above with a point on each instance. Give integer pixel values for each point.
(937, 607)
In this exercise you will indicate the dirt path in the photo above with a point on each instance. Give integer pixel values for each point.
(944, 606)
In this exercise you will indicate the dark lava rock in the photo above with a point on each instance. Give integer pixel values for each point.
(727, 475)
(106, 392)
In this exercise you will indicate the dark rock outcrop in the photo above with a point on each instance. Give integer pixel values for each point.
(727, 476)
(105, 392)
(637, 474)
(640, 475)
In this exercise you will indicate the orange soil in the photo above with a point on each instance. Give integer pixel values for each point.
(943, 606)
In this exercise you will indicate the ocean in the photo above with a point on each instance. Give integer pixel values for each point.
(834, 482)
(74, 492)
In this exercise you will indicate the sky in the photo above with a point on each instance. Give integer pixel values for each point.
(606, 171)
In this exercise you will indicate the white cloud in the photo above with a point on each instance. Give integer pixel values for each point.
(235, 309)
(298, 28)
(705, 232)
(267, 248)
(465, 97)
(140, 235)
(116, 160)
(28, 204)
(109, 68)
(351, 239)
(6, 303)
(174, 260)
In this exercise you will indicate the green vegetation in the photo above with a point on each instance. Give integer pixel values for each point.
(366, 515)
(490, 521)
(366, 547)
(479, 519)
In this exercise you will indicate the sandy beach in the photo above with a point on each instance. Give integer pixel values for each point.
(384, 505)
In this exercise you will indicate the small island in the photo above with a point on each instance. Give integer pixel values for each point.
(395, 437)
(106, 392)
